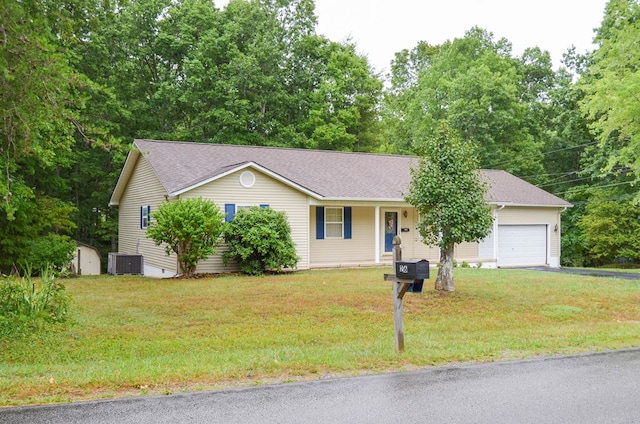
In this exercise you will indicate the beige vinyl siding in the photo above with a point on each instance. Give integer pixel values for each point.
(358, 250)
(466, 252)
(420, 250)
(143, 189)
(412, 245)
(266, 190)
(414, 248)
(361, 248)
(533, 216)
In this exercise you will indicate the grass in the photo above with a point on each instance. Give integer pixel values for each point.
(137, 336)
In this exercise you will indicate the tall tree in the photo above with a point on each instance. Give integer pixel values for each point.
(38, 110)
(262, 76)
(405, 72)
(86, 32)
(475, 86)
(611, 84)
(448, 194)
(343, 112)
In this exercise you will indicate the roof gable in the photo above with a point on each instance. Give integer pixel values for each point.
(325, 175)
(236, 168)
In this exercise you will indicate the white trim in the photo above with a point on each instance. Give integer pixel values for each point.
(549, 229)
(363, 199)
(125, 175)
(245, 166)
(526, 205)
(382, 237)
(377, 234)
(342, 223)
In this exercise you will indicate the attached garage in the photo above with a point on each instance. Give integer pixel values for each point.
(522, 245)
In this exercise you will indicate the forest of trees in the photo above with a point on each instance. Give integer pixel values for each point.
(80, 79)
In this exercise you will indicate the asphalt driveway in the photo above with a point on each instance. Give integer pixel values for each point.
(589, 272)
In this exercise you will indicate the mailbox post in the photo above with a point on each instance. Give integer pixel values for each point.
(408, 277)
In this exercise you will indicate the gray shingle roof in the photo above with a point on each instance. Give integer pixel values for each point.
(324, 174)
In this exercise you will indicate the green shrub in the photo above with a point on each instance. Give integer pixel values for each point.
(52, 250)
(191, 228)
(259, 239)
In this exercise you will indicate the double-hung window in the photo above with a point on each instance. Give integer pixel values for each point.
(145, 216)
(231, 209)
(334, 222)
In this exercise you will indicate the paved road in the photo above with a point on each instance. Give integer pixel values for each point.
(595, 388)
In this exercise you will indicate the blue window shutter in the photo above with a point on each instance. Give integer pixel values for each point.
(319, 222)
(148, 215)
(347, 222)
(141, 217)
(264, 205)
(230, 210)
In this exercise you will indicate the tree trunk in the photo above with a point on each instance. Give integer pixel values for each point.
(444, 280)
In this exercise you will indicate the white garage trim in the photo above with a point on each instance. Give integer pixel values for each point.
(522, 245)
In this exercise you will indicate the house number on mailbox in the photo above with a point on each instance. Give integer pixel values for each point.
(404, 269)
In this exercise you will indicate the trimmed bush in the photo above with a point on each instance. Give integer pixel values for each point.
(191, 228)
(259, 240)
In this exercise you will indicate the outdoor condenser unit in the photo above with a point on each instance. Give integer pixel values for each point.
(125, 263)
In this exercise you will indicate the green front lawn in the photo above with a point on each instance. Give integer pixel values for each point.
(138, 336)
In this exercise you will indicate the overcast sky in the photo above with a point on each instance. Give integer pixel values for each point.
(382, 27)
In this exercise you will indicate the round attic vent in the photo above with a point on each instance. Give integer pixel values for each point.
(247, 179)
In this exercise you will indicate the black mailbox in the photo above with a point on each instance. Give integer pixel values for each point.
(413, 269)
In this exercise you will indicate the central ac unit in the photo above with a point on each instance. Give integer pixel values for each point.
(124, 263)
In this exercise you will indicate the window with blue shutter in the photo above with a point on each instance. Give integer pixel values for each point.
(145, 216)
(230, 211)
(319, 222)
(334, 222)
(347, 222)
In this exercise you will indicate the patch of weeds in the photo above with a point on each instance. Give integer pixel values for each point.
(28, 305)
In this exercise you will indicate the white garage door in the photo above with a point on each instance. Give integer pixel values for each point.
(522, 245)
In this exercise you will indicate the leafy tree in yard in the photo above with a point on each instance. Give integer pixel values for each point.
(259, 239)
(610, 229)
(448, 193)
(191, 228)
